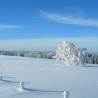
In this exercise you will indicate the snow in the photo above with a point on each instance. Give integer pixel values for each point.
(45, 78)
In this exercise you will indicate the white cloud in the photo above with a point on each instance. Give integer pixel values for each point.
(70, 20)
(5, 26)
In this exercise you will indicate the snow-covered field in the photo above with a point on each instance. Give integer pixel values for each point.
(46, 79)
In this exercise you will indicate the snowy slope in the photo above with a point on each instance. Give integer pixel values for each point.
(46, 79)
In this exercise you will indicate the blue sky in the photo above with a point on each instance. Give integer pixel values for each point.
(38, 19)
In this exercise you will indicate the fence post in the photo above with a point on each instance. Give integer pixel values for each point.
(66, 94)
(21, 85)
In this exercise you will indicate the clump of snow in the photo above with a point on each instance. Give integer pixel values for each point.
(70, 53)
(21, 87)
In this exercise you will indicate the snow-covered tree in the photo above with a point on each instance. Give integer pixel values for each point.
(70, 53)
(85, 56)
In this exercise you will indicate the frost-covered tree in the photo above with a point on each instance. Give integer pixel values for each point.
(70, 53)
(86, 56)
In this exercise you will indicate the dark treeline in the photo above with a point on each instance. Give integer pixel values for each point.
(93, 57)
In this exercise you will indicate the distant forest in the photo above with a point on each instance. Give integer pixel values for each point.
(93, 57)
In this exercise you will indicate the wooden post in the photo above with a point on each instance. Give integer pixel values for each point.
(21, 85)
(66, 94)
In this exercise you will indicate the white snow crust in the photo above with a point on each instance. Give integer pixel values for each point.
(45, 78)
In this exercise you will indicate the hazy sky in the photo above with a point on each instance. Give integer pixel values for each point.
(38, 19)
(48, 44)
